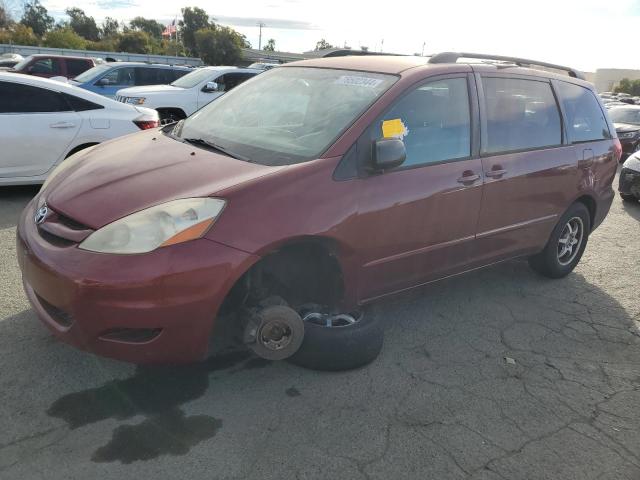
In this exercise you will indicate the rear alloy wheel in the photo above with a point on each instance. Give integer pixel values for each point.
(566, 244)
(334, 342)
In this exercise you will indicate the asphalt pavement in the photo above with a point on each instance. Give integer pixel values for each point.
(498, 374)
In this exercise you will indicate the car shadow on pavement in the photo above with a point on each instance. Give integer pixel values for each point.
(499, 371)
(12, 201)
(633, 209)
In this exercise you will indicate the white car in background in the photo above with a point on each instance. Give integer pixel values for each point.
(42, 122)
(181, 98)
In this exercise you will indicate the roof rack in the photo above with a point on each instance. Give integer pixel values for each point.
(452, 57)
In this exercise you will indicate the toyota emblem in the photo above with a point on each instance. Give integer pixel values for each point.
(41, 214)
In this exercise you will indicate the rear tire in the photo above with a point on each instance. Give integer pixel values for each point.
(335, 348)
(566, 244)
(628, 198)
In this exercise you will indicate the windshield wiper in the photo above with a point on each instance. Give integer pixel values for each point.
(213, 146)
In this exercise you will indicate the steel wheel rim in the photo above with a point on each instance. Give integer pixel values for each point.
(570, 241)
(330, 320)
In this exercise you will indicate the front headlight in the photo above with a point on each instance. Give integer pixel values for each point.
(628, 135)
(167, 224)
(135, 100)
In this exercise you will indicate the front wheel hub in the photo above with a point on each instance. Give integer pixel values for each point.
(274, 332)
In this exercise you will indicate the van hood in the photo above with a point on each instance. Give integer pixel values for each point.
(137, 171)
(150, 89)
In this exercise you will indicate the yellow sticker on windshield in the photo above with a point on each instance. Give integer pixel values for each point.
(394, 128)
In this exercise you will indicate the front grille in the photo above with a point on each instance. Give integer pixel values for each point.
(120, 98)
(62, 231)
(62, 318)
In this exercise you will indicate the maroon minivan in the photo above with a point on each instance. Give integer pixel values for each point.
(275, 213)
(49, 66)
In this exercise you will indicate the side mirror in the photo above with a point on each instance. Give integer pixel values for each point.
(211, 87)
(388, 153)
(103, 82)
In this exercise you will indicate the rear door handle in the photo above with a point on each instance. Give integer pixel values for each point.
(495, 173)
(468, 178)
(62, 125)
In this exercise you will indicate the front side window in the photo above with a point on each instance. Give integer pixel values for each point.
(121, 77)
(287, 115)
(434, 121)
(19, 98)
(520, 115)
(585, 119)
(93, 72)
(228, 81)
(45, 66)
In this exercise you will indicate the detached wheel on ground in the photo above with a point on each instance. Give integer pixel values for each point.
(335, 342)
(566, 244)
(628, 198)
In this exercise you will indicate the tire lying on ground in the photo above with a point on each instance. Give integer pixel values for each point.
(338, 342)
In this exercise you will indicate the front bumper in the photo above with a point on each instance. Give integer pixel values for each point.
(158, 307)
(629, 182)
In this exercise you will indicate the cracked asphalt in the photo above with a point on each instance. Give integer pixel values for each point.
(499, 374)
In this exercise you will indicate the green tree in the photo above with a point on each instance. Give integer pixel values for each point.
(23, 35)
(82, 24)
(219, 45)
(193, 19)
(270, 46)
(65, 38)
(323, 45)
(135, 42)
(37, 18)
(152, 27)
(110, 28)
(5, 16)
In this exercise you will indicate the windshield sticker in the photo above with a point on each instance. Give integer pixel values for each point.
(394, 128)
(358, 81)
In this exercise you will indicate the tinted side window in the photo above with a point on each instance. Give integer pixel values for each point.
(520, 115)
(76, 66)
(231, 80)
(45, 66)
(124, 76)
(147, 76)
(18, 98)
(433, 121)
(80, 104)
(165, 76)
(585, 120)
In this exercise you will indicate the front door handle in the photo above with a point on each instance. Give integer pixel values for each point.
(495, 173)
(62, 125)
(468, 178)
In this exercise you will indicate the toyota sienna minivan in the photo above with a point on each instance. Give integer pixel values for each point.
(276, 213)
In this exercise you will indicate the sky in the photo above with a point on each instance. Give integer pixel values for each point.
(584, 34)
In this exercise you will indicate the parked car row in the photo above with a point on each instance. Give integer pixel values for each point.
(42, 122)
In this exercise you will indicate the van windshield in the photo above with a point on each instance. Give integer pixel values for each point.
(286, 115)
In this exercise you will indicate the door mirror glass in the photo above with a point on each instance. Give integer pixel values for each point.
(211, 87)
(388, 153)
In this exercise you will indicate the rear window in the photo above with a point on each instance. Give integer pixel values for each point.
(586, 121)
(520, 115)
